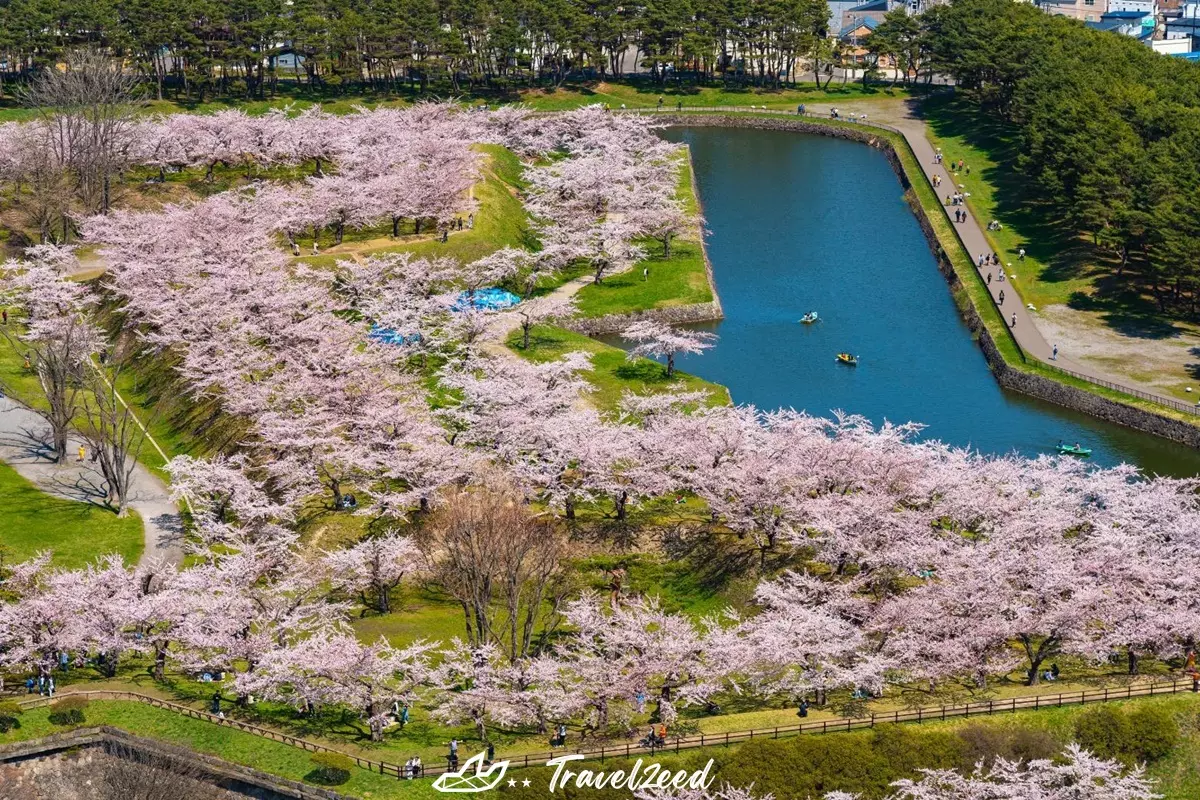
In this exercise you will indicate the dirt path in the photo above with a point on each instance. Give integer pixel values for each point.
(23, 446)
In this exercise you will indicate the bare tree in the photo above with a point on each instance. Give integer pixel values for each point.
(57, 337)
(112, 429)
(51, 190)
(502, 564)
(88, 110)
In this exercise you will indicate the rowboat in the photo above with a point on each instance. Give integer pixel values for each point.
(846, 358)
(1074, 450)
(809, 318)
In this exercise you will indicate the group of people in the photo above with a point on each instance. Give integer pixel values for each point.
(656, 736)
(43, 685)
(413, 768)
(988, 259)
(835, 114)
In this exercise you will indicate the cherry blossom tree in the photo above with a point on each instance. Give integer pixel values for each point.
(337, 669)
(657, 340)
(59, 336)
(374, 567)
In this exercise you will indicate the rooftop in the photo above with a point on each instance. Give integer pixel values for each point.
(870, 23)
(871, 5)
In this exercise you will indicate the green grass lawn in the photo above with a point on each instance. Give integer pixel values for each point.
(1055, 271)
(675, 281)
(75, 532)
(612, 374)
(646, 94)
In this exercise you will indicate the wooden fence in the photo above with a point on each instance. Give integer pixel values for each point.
(677, 744)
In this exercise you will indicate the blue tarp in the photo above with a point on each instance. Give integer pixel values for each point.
(389, 336)
(492, 299)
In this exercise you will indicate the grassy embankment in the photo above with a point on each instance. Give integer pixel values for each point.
(75, 532)
(1177, 774)
(1060, 269)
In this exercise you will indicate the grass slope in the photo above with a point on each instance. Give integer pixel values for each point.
(75, 532)
(612, 374)
(1178, 775)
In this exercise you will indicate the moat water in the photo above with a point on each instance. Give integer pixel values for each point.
(811, 223)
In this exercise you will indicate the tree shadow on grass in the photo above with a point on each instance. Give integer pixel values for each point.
(1127, 313)
(646, 371)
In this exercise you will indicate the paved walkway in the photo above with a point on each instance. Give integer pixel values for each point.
(971, 232)
(24, 435)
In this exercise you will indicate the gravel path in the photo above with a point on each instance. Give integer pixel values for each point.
(23, 446)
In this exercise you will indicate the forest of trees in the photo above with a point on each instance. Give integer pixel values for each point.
(1108, 132)
(204, 47)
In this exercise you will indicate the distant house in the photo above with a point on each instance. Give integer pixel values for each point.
(1183, 28)
(1172, 47)
(1149, 7)
(1138, 24)
(854, 36)
(1086, 10)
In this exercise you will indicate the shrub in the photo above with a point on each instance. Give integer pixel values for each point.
(1104, 731)
(68, 711)
(9, 713)
(1143, 734)
(331, 769)
(1153, 734)
(986, 743)
(866, 763)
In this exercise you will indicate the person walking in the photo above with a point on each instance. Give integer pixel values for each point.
(1021, 254)
(1054, 354)
(1001, 298)
(1000, 277)
(989, 279)
(5, 314)
(316, 250)
(981, 260)
(1014, 320)
(645, 273)
(82, 452)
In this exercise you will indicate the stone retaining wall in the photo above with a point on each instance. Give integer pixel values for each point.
(671, 315)
(24, 766)
(1009, 377)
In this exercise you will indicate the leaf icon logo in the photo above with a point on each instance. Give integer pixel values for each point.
(472, 777)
